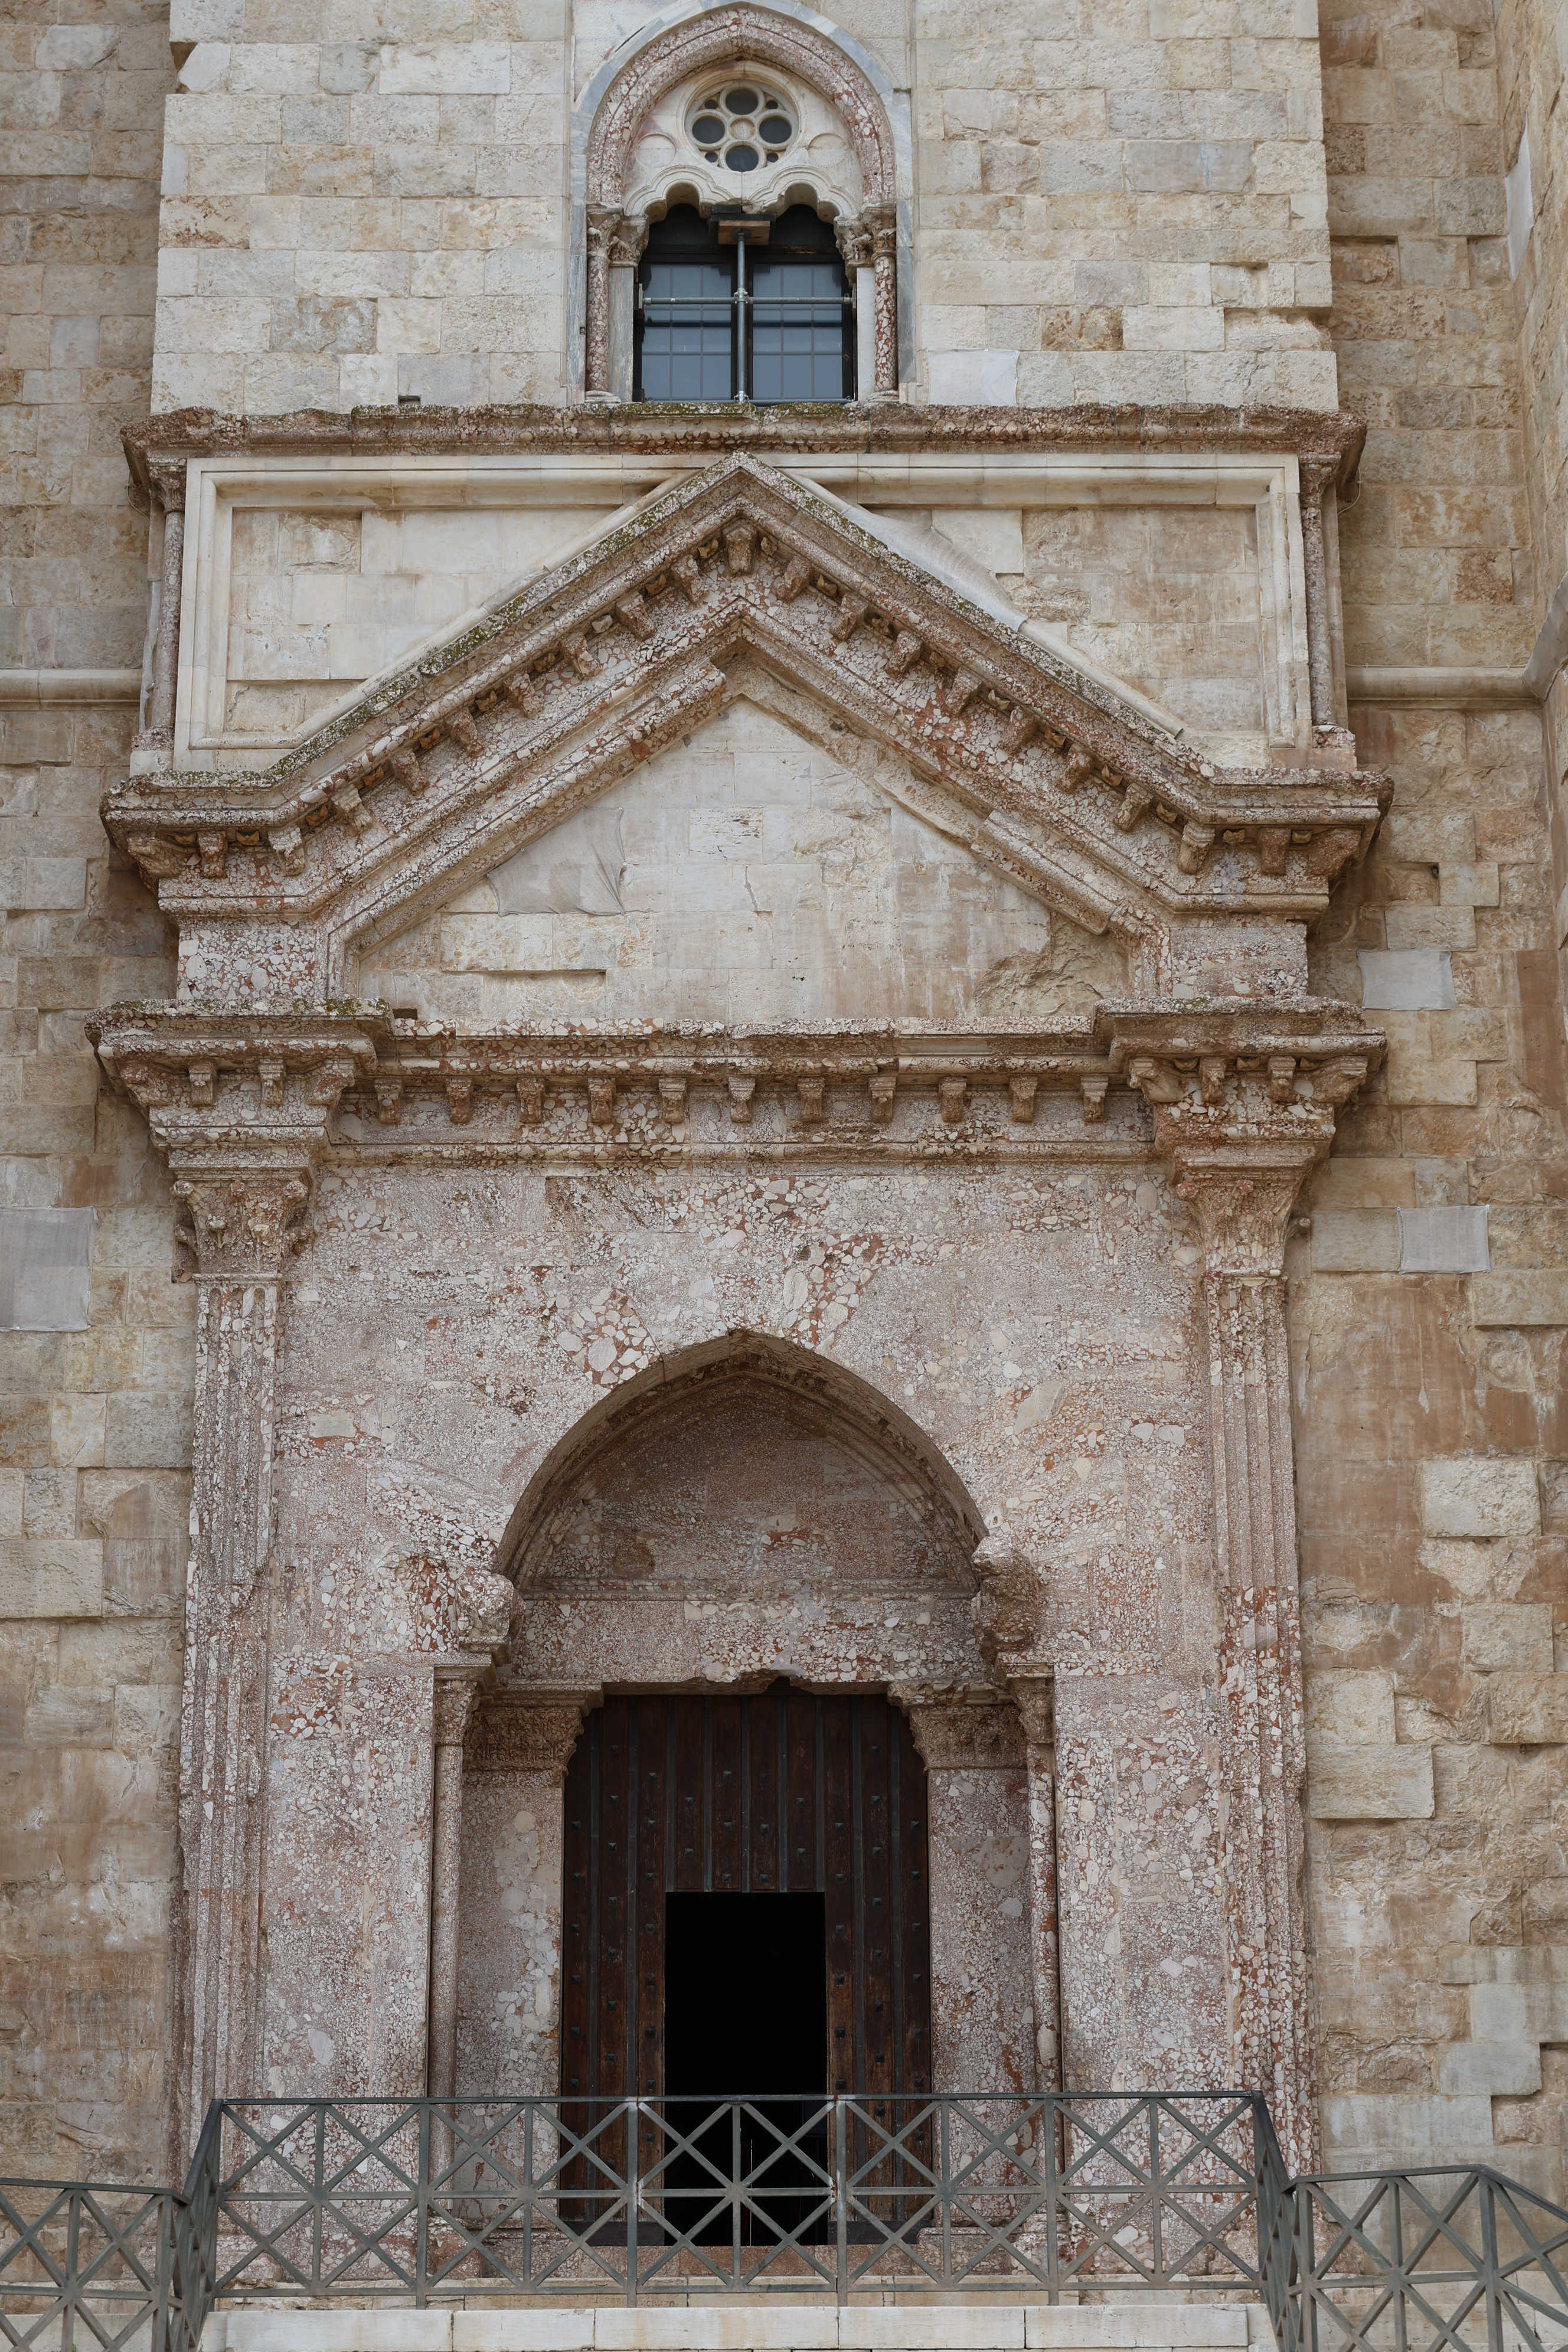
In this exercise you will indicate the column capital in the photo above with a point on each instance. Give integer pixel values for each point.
(961, 1729)
(1035, 1697)
(527, 1731)
(457, 1692)
(243, 1224)
(1245, 1104)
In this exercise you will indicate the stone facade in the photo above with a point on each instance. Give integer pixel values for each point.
(990, 960)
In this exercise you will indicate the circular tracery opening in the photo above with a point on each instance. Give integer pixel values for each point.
(742, 125)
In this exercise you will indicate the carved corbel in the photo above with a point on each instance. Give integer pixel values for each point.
(1005, 1611)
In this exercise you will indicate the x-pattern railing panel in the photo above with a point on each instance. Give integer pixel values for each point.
(1032, 2195)
(84, 2263)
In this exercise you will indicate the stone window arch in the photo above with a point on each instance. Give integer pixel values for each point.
(640, 155)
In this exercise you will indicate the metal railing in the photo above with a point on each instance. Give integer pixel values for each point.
(1088, 2195)
(1416, 2261)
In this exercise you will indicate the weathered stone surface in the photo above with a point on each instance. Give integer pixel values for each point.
(502, 1233)
(1472, 1497)
(1364, 1782)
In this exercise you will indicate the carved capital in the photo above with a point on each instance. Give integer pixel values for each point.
(526, 1731)
(243, 1224)
(854, 243)
(457, 1689)
(1242, 1211)
(1035, 1697)
(962, 1730)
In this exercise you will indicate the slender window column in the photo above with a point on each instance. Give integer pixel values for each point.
(1316, 477)
(166, 645)
(596, 356)
(884, 243)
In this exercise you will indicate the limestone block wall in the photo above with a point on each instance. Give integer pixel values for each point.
(81, 132)
(1532, 59)
(1430, 1295)
(1112, 206)
(360, 212)
(1429, 1318)
(94, 1449)
(94, 1419)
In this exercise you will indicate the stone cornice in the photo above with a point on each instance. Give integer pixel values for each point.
(156, 447)
(1054, 780)
(1252, 1084)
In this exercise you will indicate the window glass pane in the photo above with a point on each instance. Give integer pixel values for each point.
(685, 327)
(801, 336)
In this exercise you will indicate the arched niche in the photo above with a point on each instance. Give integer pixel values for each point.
(645, 79)
(745, 1511)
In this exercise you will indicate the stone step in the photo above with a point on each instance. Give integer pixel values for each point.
(747, 2324)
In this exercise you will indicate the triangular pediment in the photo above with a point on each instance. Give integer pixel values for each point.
(442, 774)
(769, 872)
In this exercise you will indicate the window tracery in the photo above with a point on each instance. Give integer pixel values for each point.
(742, 123)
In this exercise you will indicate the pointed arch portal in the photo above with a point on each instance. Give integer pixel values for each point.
(796, 1789)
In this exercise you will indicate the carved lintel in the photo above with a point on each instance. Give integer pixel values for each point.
(526, 1731)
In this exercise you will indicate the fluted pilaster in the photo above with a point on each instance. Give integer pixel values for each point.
(241, 1231)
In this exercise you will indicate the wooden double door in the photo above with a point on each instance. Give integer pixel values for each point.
(783, 1793)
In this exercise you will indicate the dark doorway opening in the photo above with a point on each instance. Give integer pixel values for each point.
(746, 2014)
